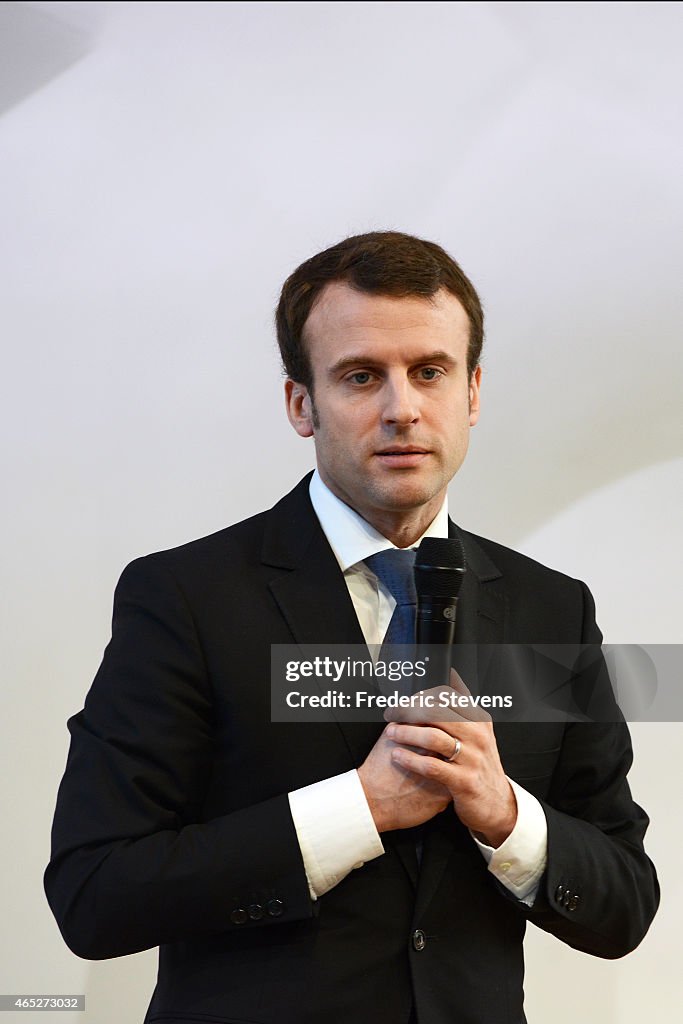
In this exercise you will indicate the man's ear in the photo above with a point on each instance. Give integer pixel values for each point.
(299, 407)
(475, 383)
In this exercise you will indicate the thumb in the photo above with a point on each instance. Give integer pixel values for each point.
(457, 683)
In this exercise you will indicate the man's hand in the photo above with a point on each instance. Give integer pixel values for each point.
(475, 781)
(398, 798)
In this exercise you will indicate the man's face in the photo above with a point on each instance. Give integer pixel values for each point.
(392, 406)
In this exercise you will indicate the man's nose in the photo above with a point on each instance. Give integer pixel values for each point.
(400, 406)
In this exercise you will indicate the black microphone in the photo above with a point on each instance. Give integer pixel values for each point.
(439, 573)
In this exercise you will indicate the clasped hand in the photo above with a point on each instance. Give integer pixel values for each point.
(408, 777)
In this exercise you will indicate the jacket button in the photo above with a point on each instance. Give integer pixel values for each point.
(559, 893)
(274, 908)
(255, 911)
(238, 916)
(419, 940)
(573, 902)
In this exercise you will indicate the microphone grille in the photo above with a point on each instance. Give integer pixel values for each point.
(440, 566)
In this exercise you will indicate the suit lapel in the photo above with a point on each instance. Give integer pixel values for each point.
(312, 594)
(482, 608)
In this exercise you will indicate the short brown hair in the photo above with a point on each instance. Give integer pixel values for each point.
(380, 263)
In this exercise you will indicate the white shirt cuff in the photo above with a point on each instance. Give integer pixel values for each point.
(335, 829)
(520, 860)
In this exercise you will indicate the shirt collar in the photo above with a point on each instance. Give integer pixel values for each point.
(351, 538)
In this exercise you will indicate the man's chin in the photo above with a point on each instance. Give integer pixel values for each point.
(403, 495)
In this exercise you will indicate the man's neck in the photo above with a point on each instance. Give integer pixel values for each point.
(405, 528)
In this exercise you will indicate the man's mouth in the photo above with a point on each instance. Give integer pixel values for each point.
(399, 456)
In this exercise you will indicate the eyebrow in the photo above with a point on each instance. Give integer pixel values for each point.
(438, 356)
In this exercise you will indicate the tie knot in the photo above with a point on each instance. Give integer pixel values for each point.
(394, 567)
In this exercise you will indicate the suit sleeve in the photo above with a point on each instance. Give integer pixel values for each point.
(133, 863)
(600, 891)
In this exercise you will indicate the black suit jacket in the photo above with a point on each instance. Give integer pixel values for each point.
(173, 825)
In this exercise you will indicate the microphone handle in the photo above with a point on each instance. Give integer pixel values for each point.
(435, 631)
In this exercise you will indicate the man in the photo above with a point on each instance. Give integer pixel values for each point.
(341, 871)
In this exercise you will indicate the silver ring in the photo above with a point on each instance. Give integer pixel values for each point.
(456, 751)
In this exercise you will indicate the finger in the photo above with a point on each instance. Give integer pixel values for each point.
(456, 682)
(469, 712)
(427, 706)
(428, 767)
(436, 712)
(431, 740)
(479, 735)
(466, 702)
(442, 704)
(462, 702)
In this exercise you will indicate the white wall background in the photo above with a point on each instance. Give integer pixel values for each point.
(163, 166)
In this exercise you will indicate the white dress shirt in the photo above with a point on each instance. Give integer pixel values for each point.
(333, 822)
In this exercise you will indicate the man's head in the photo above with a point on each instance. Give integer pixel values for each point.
(378, 263)
(384, 373)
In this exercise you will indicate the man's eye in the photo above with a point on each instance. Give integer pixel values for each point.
(430, 373)
(362, 377)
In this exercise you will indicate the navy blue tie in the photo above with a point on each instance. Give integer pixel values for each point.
(394, 568)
